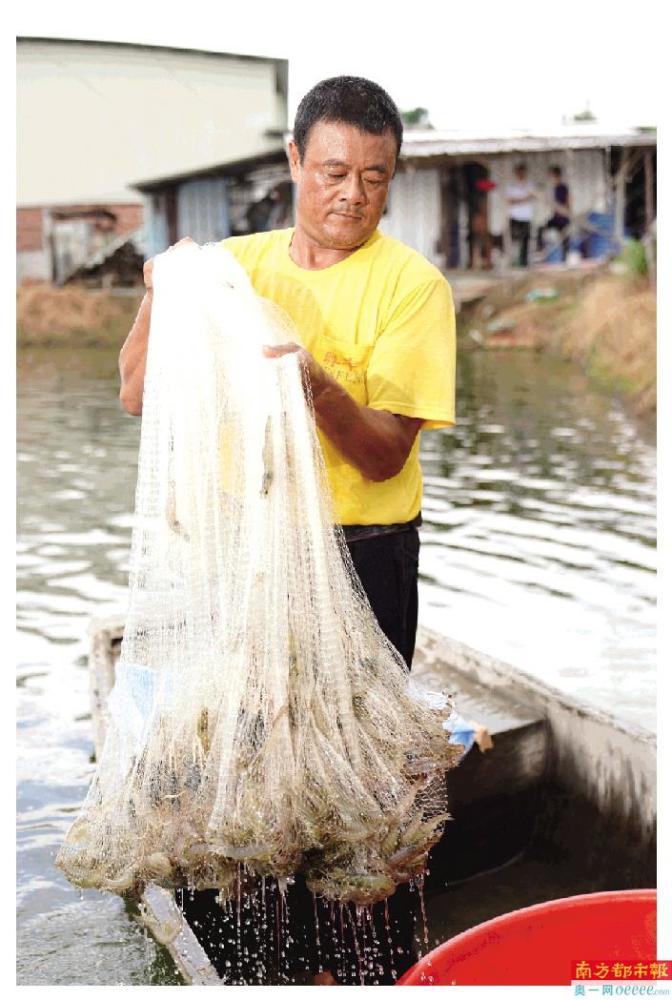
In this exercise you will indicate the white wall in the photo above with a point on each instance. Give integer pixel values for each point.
(414, 211)
(93, 118)
(584, 170)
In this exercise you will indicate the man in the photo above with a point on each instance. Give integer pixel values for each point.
(480, 241)
(520, 198)
(560, 218)
(377, 327)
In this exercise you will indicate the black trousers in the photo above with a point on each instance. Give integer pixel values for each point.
(520, 230)
(387, 566)
(315, 934)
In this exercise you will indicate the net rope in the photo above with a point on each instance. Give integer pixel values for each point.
(260, 723)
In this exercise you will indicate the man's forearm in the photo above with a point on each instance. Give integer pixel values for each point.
(374, 441)
(133, 359)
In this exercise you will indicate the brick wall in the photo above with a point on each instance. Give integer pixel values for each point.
(29, 229)
(33, 249)
(129, 217)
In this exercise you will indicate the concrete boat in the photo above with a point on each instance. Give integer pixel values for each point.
(555, 798)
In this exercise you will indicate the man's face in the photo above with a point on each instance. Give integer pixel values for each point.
(342, 184)
(521, 173)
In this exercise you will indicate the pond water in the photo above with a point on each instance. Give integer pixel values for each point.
(539, 539)
(538, 547)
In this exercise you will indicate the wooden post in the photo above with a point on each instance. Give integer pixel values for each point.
(571, 186)
(446, 215)
(463, 225)
(649, 211)
(171, 214)
(630, 159)
(507, 243)
(619, 199)
(650, 218)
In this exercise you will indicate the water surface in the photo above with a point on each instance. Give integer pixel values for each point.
(539, 539)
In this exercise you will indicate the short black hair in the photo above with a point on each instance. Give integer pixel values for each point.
(520, 166)
(555, 170)
(351, 100)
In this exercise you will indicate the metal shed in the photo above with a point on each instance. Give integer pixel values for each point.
(217, 202)
(610, 173)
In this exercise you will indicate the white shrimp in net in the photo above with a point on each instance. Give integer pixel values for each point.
(261, 724)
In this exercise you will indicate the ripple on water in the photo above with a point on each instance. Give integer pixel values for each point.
(88, 942)
(538, 542)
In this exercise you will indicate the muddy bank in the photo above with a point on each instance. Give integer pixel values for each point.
(604, 321)
(73, 317)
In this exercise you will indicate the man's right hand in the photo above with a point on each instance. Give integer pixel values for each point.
(148, 268)
(133, 356)
(147, 274)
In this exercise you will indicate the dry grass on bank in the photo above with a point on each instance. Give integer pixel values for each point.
(613, 333)
(604, 321)
(69, 317)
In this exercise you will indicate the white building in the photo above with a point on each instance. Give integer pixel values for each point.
(94, 117)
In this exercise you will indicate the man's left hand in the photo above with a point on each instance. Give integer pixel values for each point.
(315, 378)
(376, 442)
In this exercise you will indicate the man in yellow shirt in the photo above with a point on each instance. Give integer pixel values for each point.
(377, 331)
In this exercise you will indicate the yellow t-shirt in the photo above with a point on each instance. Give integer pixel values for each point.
(381, 322)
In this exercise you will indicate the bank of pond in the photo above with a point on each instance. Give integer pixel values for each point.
(603, 321)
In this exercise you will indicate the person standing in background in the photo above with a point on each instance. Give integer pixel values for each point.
(480, 240)
(520, 198)
(560, 218)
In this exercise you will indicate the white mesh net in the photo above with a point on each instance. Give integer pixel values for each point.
(260, 724)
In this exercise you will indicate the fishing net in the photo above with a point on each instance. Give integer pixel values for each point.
(260, 723)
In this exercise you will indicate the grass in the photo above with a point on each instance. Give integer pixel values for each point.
(603, 321)
(73, 317)
(613, 334)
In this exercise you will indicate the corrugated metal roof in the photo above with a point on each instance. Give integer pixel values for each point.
(427, 143)
(227, 169)
(424, 143)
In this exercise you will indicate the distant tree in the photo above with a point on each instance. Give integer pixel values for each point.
(584, 116)
(416, 118)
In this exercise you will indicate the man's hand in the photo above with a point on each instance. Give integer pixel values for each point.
(315, 379)
(133, 356)
(375, 441)
(148, 268)
(147, 275)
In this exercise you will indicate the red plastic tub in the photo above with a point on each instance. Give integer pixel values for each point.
(537, 946)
